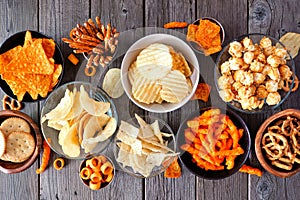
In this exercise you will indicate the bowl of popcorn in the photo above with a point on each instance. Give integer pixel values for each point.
(277, 143)
(160, 73)
(255, 73)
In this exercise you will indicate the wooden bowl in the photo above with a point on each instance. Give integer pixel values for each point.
(10, 167)
(260, 153)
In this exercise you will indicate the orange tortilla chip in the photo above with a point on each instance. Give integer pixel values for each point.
(56, 74)
(202, 92)
(191, 34)
(33, 56)
(17, 86)
(8, 56)
(174, 170)
(49, 47)
(28, 39)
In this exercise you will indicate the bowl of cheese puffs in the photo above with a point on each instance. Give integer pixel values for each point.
(254, 73)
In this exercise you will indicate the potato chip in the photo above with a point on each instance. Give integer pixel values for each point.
(202, 92)
(70, 143)
(191, 34)
(174, 87)
(112, 83)
(180, 64)
(292, 42)
(154, 62)
(92, 106)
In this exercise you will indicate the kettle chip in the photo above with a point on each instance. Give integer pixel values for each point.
(112, 83)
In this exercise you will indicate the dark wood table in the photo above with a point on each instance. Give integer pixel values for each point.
(57, 18)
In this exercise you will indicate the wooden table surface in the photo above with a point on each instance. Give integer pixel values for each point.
(56, 18)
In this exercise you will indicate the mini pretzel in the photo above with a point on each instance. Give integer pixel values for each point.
(11, 104)
(286, 86)
(90, 70)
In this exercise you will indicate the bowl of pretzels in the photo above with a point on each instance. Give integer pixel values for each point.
(277, 143)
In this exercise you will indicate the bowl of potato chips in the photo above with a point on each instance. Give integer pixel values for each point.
(144, 146)
(214, 143)
(160, 73)
(255, 73)
(78, 120)
(31, 66)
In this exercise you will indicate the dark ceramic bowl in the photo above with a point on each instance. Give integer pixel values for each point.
(18, 39)
(186, 158)
(10, 167)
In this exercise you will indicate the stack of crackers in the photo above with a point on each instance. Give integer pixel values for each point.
(16, 142)
(30, 68)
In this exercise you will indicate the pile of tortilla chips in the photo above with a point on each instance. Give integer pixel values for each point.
(30, 68)
(207, 35)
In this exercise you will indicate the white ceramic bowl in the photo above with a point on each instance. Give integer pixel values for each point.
(180, 46)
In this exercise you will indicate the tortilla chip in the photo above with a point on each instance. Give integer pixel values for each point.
(28, 39)
(174, 170)
(33, 56)
(8, 56)
(202, 92)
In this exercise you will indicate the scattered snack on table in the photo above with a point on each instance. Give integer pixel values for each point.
(112, 83)
(254, 74)
(59, 163)
(174, 170)
(82, 122)
(143, 149)
(73, 59)
(159, 74)
(10, 104)
(176, 25)
(292, 42)
(280, 142)
(202, 92)
(206, 35)
(96, 40)
(212, 139)
(30, 68)
(97, 172)
(18, 144)
(45, 157)
(251, 170)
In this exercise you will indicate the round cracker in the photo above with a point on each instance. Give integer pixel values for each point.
(2, 143)
(13, 124)
(112, 83)
(19, 147)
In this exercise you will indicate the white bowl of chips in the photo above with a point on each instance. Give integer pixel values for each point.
(160, 73)
(144, 146)
(78, 120)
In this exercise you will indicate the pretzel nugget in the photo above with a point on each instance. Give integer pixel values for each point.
(96, 177)
(176, 25)
(251, 170)
(94, 186)
(59, 163)
(95, 164)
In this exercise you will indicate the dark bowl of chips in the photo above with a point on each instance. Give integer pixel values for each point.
(31, 66)
(277, 143)
(214, 143)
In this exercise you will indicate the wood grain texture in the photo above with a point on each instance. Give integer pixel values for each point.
(10, 24)
(274, 18)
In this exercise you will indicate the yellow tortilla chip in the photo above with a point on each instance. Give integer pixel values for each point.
(28, 39)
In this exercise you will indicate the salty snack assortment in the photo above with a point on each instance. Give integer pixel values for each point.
(206, 35)
(143, 151)
(97, 172)
(98, 41)
(16, 142)
(31, 67)
(280, 142)
(254, 74)
(82, 122)
(212, 139)
(160, 74)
